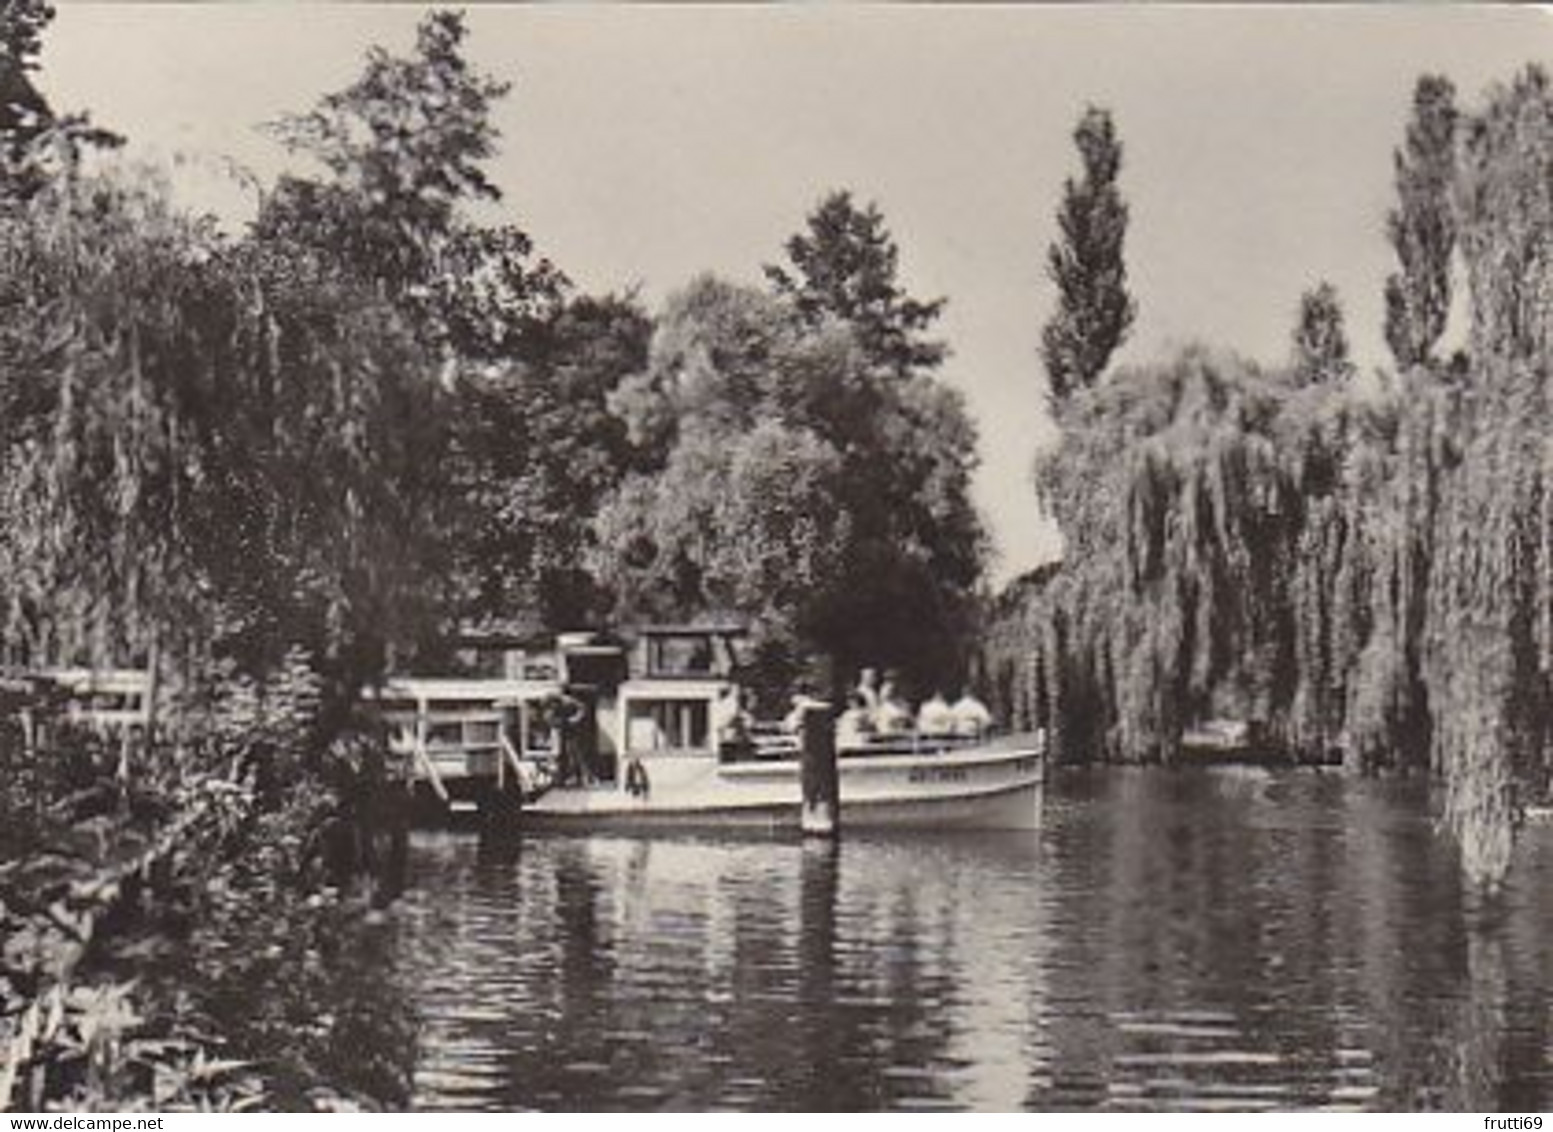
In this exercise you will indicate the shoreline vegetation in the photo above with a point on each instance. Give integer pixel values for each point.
(1361, 565)
(272, 468)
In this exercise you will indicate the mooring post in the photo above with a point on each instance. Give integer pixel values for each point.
(821, 814)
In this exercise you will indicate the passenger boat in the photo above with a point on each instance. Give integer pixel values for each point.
(606, 743)
(593, 735)
(958, 784)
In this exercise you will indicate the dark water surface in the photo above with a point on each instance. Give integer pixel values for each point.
(1167, 940)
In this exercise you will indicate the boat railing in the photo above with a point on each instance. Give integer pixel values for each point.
(509, 760)
(913, 742)
(426, 768)
(769, 740)
(772, 740)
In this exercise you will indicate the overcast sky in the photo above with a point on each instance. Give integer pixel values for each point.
(643, 145)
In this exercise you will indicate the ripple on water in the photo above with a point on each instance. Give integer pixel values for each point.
(1165, 942)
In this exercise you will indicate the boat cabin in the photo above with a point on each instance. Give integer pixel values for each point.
(583, 712)
(684, 717)
(689, 652)
(457, 729)
(682, 699)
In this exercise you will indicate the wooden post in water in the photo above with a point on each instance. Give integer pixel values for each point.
(821, 813)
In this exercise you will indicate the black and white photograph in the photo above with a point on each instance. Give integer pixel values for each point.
(606, 558)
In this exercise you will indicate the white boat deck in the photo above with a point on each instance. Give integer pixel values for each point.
(990, 786)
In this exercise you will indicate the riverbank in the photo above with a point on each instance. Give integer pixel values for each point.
(146, 897)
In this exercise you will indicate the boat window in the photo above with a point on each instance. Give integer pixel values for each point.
(482, 732)
(679, 656)
(666, 726)
(482, 661)
(113, 701)
(444, 735)
(444, 706)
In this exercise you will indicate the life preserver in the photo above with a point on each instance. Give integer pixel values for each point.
(636, 779)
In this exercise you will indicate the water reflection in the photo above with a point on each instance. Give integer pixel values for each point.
(1167, 940)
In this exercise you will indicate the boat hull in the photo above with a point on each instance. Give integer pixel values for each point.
(984, 788)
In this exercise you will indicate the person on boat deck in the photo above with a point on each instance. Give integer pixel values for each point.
(567, 716)
(868, 688)
(891, 715)
(971, 717)
(735, 736)
(854, 727)
(935, 718)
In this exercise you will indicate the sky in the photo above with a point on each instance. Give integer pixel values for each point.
(645, 144)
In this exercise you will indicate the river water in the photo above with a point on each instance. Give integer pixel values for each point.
(1166, 940)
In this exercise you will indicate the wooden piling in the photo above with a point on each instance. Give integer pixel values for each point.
(821, 813)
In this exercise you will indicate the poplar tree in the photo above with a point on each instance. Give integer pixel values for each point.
(1320, 342)
(1422, 226)
(1094, 309)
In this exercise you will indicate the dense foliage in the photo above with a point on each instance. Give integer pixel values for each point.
(37, 143)
(845, 266)
(1422, 226)
(271, 468)
(798, 464)
(145, 894)
(219, 460)
(1361, 566)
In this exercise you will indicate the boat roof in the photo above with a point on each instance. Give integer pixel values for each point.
(724, 629)
(466, 688)
(675, 687)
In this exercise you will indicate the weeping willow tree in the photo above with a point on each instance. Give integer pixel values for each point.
(216, 448)
(220, 460)
(1169, 604)
(1491, 595)
(97, 483)
(1360, 566)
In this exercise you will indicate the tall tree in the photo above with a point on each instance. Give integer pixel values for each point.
(33, 138)
(405, 147)
(1491, 578)
(845, 266)
(93, 343)
(1422, 225)
(24, 112)
(1320, 341)
(540, 450)
(404, 150)
(1094, 309)
(411, 133)
(731, 379)
(916, 541)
